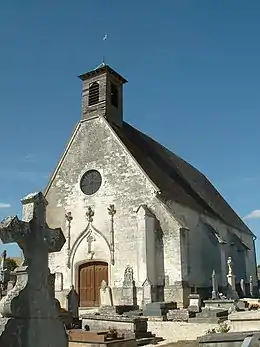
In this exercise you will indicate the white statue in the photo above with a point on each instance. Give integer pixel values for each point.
(230, 268)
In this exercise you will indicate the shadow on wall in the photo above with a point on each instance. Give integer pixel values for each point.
(159, 261)
(210, 255)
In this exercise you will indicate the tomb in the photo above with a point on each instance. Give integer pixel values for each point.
(81, 338)
(245, 321)
(131, 327)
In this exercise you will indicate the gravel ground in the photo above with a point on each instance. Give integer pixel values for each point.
(175, 331)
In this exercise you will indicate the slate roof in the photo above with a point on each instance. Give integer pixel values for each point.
(177, 180)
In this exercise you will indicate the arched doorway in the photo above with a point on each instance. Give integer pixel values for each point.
(90, 276)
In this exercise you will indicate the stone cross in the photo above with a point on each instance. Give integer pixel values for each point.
(30, 308)
(214, 285)
(251, 286)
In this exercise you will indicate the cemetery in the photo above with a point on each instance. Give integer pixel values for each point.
(28, 306)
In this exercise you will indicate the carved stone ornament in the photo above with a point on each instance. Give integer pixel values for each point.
(31, 303)
(90, 214)
(112, 212)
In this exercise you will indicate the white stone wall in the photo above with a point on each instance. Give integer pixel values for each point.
(185, 253)
(124, 184)
(202, 253)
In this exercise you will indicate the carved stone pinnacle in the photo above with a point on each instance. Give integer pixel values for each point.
(111, 210)
(90, 214)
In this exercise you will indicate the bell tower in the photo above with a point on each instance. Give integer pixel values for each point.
(102, 94)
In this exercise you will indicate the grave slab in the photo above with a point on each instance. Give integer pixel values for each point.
(81, 338)
(219, 303)
(131, 327)
(245, 320)
(210, 315)
(230, 339)
(159, 309)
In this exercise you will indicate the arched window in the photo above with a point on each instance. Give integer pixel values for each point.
(93, 97)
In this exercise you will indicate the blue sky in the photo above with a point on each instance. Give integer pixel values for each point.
(193, 71)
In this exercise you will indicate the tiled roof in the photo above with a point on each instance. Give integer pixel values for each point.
(177, 180)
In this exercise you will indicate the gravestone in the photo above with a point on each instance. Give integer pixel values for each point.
(58, 281)
(129, 289)
(29, 311)
(105, 295)
(73, 302)
(159, 309)
(194, 303)
(147, 292)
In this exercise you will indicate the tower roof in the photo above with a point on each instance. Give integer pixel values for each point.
(100, 70)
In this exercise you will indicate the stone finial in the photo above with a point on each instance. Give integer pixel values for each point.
(68, 217)
(111, 210)
(90, 214)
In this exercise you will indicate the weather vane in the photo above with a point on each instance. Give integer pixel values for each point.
(104, 39)
(103, 59)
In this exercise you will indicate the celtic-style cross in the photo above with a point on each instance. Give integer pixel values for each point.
(31, 303)
(31, 298)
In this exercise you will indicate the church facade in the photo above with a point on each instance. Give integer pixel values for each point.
(125, 201)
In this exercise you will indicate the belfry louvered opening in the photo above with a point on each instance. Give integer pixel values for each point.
(93, 97)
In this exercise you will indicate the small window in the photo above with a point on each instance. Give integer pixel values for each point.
(114, 95)
(93, 97)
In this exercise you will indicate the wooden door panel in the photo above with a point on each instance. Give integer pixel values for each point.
(86, 290)
(89, 279)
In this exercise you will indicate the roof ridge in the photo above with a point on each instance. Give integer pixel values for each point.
(191, 180)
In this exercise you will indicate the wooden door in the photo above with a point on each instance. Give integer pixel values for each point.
(90, 277)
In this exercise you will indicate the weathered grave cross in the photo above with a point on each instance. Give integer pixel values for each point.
(30, 308)
(36, 240)
(32, 234)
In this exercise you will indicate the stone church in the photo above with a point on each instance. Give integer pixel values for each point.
(124, 201)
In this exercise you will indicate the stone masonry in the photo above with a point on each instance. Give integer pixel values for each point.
(162, 244)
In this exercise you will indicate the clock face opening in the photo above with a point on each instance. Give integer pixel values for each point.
(90, 182)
